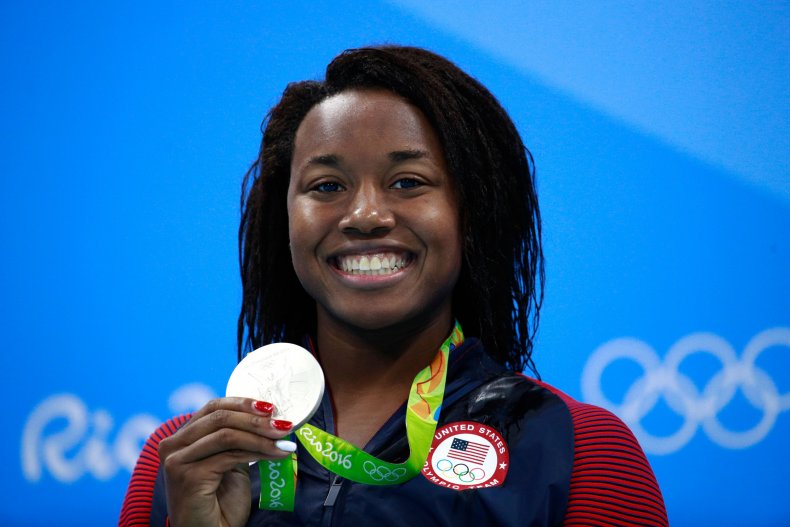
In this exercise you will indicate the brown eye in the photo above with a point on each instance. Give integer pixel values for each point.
(406, 183)
(328, 186)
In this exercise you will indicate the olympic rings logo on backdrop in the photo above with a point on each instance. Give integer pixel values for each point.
(696, 407)
(382, 473)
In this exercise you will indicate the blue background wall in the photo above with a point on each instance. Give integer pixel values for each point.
(660, 134)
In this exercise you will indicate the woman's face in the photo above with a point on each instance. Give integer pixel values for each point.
(373, 215)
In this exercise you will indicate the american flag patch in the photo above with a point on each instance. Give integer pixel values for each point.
(468, 451)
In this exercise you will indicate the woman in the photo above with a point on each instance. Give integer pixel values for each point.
(392, 210)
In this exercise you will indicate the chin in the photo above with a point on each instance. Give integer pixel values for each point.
(398, 320)
(375, 321)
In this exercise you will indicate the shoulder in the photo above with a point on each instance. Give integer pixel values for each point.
(611, 480)
(136, 509)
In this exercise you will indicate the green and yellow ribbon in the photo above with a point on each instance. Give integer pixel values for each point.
(278, 478)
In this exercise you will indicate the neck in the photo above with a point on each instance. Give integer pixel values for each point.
(356, 360)
(369, 373)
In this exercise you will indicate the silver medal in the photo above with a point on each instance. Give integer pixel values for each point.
(286, 375)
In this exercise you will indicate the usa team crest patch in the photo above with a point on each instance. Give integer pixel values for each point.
(467, 455)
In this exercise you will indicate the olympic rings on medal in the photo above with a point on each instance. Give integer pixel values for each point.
(381, 472)
(698, 408)
(461, 470)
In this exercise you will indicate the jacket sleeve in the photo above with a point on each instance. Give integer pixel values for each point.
(136, 509)
(612, 483)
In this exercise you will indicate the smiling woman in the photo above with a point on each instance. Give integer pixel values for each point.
(392, 205)
(369, 187)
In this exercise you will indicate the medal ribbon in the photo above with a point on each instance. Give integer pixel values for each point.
(278, 479)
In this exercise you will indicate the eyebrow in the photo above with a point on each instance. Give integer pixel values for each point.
(405, 155)
(329, 160)
(398, 156)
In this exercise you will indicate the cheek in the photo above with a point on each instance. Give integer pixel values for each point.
(305, 234)
(302, 225)
(303, 265)
(298, 229)
(447, 224)
(443, 232)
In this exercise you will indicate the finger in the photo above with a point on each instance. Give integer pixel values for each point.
(231, 445)
(207, 473)
(236, 404)
(228, 430)
(251, 419)
(235, 439)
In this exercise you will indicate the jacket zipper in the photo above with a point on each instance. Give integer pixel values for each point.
(334, 490)
(329, 502)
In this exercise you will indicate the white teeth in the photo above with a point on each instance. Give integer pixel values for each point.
(373, 265)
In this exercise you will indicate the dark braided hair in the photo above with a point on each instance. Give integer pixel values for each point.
(500, 287)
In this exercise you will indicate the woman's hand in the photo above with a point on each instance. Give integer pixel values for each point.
(206, 462)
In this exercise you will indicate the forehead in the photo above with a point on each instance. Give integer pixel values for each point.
(370, 120)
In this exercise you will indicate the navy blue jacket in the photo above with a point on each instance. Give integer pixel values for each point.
(569, 463)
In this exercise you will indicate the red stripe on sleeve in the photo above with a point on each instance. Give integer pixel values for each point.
(612, 483)
(136, 509)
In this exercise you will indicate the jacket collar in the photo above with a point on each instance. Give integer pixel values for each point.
(469, 367)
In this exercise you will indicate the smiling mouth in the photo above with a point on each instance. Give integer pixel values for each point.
(372, 264)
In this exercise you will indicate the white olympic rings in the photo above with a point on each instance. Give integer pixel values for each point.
(382, 473)
(681, 394)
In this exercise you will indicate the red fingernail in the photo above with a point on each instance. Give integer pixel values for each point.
(281, 425)
(263, 406)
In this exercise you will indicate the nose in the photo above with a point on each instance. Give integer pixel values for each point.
(368, 212)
